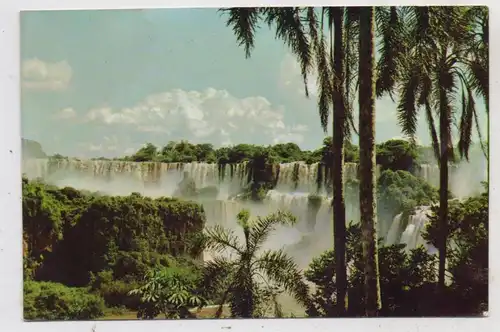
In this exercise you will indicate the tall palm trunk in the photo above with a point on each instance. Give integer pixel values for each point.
(339, 118)
(367, 160)
(444, 134)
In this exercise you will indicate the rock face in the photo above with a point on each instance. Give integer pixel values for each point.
(31, 149)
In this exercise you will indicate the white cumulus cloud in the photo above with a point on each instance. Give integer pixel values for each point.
(66, 113)
(290, 77)
(202, 116)
(41, 75)
(107, 144)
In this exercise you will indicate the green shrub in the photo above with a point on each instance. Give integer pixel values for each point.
(116, 294)
(400, 191)
(403, 277)
(53, 301)
(396, 154)
(69, 234)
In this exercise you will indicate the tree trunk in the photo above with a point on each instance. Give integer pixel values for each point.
(444, 128)
(339, 119)
(367, 168)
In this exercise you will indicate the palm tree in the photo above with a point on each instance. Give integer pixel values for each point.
(478, 51)
(367, 187)
(244, 270)
(434, 78)
(388, 23)
(476, 59)
(330, 66)
(370, 81)
(171, 291)
(307, 42)
(339, 131)
(338, 80)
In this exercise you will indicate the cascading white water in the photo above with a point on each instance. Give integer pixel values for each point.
(394, 231)
(292, 177)
(411, 235)
(464, 179)
(294, 183)
(123, 177)
(221, 212)
(301, 177)
(430, 173)
(298, 176)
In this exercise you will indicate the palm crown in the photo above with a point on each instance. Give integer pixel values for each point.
(242, 270)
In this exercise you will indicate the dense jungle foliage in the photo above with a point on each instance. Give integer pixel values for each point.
(87, 255)
(394, 154)
(408, 278)
(397, 192)
(102, 245)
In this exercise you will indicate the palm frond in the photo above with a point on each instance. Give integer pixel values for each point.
(291, 30)
(480, 136)
(219, 239)
(263, 226)
(350, 126)
(467, 117)
(351, 81)
(479, 78)
(324, 79)
(425, 87)
(419, 23)
(476, 50)
(282, 270)
(244, 22)
(390, 31)
(407, 110)
(217, 275)
(313, 25)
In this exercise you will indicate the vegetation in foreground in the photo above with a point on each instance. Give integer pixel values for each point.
(142, 256)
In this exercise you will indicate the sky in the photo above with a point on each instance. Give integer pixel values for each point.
(105, 82)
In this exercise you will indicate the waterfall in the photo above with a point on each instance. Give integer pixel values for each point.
(294, 183)
(394, 231)
(123, 177)
(411, 235)
(464, 178)
(301, 177)
(298, 176)
(429, 173)
(221, 212)
(297, 204)
(230, 179)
